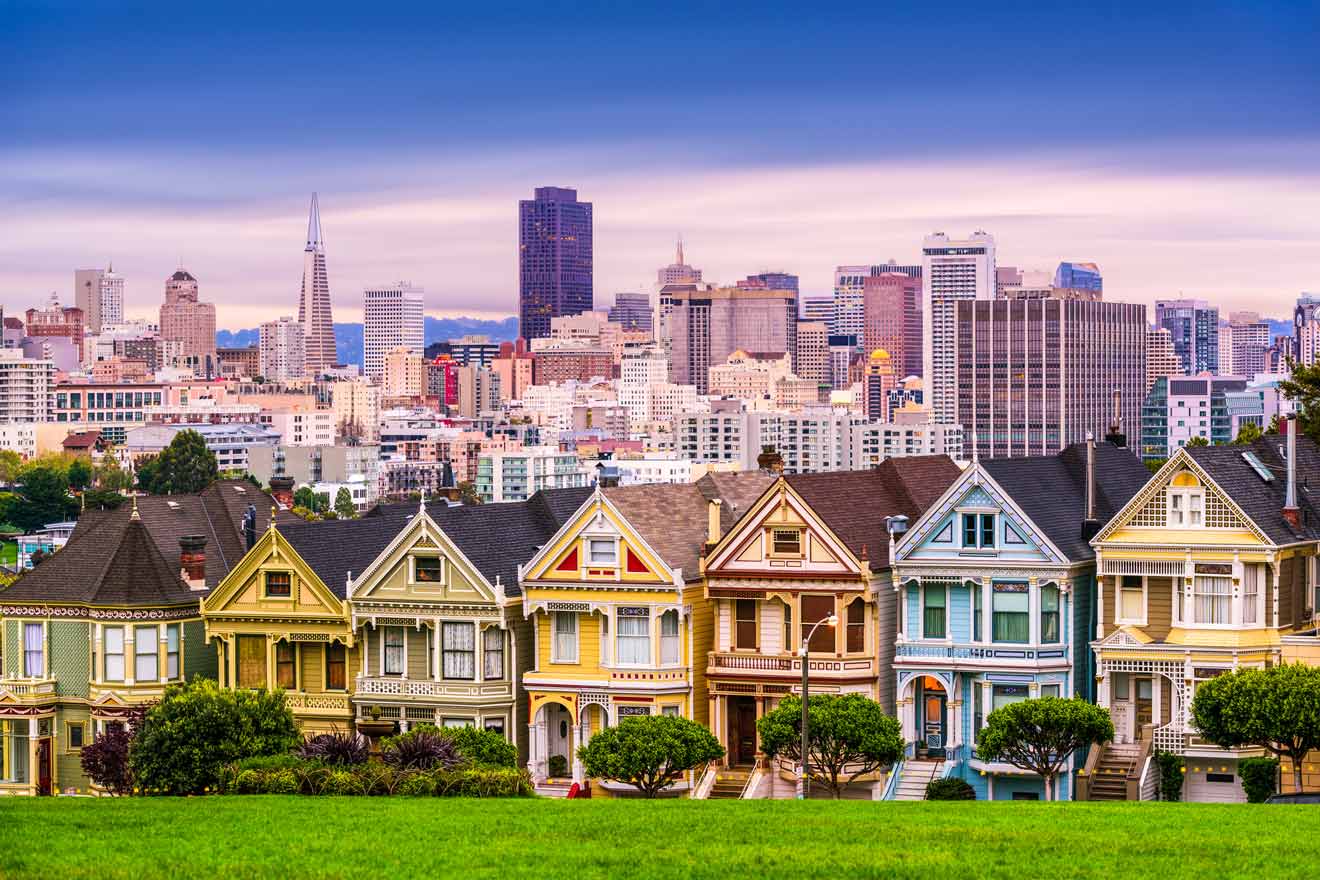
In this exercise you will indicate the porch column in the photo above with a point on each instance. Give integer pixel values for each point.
(130, 653)
(577, 737)
(536, 747)
(435, 644)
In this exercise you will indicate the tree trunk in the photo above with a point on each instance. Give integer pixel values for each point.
(1297, 774)
(1048, 785)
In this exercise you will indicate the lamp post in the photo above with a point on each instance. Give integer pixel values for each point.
(802, 787)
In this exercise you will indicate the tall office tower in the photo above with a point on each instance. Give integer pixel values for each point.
(1194, 325)
(1243, 343)
(100, 294)
(952, 270)
(818, 308)
(554, 259)
(677, 272)
(708, 325)
(283, 350)
(843, 350)
(1306, 327)
(849, 286)
(878, 380)
(632, 311)
(891, 320)
(314, 303)
(813, 352)
(187, 326)
(392, 316)
(1032, 376)
(1161, 359)
(1079, 276)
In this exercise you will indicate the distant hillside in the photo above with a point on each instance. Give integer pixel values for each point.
(348, 337)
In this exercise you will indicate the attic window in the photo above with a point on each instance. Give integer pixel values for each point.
(786, 542)
(428, 569)
(279, 584)
(173, 505)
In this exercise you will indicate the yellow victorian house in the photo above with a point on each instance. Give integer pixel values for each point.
(1210, 568)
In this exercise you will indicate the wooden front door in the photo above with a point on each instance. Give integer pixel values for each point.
(44, 769)
(742, 730)
(933, 733)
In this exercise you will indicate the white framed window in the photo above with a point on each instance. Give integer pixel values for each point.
(458, 642)
(395, 652)
(146, 665)
(933, 622)
(428, 569)
(34, 653)
(786, 542)
(1131, 604)
(669, 637)
(564, 647)
(1251, 578)
(1186, 502)
(492, 643)
(1212, 594)
(1049, 690)
(602, 551)
(113, 639)
(172, 651)
(633, 633)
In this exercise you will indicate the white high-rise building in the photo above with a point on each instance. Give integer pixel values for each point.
(951, 270)
(100, 294)
(283, 352)
(392, 316)
(26, 386)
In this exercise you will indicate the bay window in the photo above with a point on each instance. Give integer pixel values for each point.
(788, 627)
(251, 661)
(564, 648)
(458, 643)
(669, 637)
(113, 639)
(978, 612)
(856, 641)
(286, 665)
(34, 654)
(978, 710)
(1049, 613)
(1212, 594)
(492, 642)
(633, 631)
(147, 655)
(744, 624)
(1010, 612)
(932, 617)
(814, 609)
(1251, 577)
(394, 659)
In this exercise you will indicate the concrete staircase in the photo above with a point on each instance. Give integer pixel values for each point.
(553, 788)
(1109, 781)
(914, 777)
(729, 783)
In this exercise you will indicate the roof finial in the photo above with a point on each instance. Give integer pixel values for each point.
(134, 514)
(421, 503)
(273, 510)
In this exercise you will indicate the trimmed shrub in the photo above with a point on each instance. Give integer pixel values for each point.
(416, 785)
(419, 750)
(477, 782)
(483, 748)
(1171, 775)
(950, 789)
(342, 782)
(374, 779)
(558, 765)
(336, 749)
(1260, 778)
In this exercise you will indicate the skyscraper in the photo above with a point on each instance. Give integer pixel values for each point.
(314, 302)
(1306, 329)
(632, 311)
(187, 326)
(1034, 375)
(849, 285)
(392, 315)
(709, 324)
(100, 295)
(1161, 359)
(1194, 325)
(554, 258)
(891, 320)
(951, 271)
(677, 272)
(1243, 343)
(283, 356)
(1079, 276)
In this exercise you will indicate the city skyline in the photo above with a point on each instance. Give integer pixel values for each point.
(1178, 175)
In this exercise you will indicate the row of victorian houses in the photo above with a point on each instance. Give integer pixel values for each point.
(956, 591)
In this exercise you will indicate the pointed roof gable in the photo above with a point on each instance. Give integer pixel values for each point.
(1261, 501)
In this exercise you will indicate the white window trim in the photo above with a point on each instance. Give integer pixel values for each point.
(588, 562)
(958, 528)
(1234, 602)
(412, 570)
(921, 622)
(1186, 493)
(383, 673)
(1119, 619)
(652, 640)
(554, 638)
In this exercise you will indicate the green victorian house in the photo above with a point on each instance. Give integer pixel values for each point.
(105, 624)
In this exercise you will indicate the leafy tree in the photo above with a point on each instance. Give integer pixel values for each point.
(183, 467)
(44, 486)
(1249, 433)
(103, 499)
(484, 748)
(650, 752)
(848, 731)
(1039, 735)
(1303, 389)
(322, 502)
(467, 492)
(10, 465)
(110, 475)
(1277, 709)
(105, 759)
(344, 504)
(1154, 464)
(1198, 441)
(316, 502)
(197, 728)
(79, 474)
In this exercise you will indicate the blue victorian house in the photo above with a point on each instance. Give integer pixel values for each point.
(996, 603)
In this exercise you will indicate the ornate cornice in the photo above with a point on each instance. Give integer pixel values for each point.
(83, 613)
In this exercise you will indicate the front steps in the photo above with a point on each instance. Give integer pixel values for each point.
(1109, 782)
(914, 777)
(729, 783)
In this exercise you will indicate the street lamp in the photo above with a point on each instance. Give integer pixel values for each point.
(802, 786)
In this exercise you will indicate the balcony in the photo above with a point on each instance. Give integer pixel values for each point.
(29, 690)
(992, 655)
(325, 705)
(425, 689)
(788, 665)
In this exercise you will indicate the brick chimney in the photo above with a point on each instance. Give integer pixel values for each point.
(192, 560)
(282, 489)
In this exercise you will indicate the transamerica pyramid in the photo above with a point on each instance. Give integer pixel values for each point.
(314, 303)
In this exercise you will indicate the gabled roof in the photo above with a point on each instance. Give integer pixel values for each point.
(334, 549)
(1263, 501)
(1051, 490)
(113, 563)
(854, 504)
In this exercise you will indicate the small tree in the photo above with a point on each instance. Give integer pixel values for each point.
(105, 758)
(44, 485)
(303, 496)
(1277, 709)
(650, 752)
(110, 475)
(10, 465)
(467, 492)
(1198, 441)
(1039, 735)
(344, 508)
(183, 467)
(79, 474)
(845, 733)
(483, 748)
(1302, 387)
(1249, 433)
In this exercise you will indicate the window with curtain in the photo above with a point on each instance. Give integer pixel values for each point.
(1005, 694)
(394, 650)
(147, 654)
(279, 584)
(336, 667)
(1131, 599)
(816, 608)
(286, 668)
(112, 637)
(34, 656)
(932, 611)
(633, 632)
(458, 643)
(1010, 619)
(1049, 613)
(978, 710)
(789, 647)
(1250, 593)
(605, 651)
(492, 645)
(744, 624)
(428, 569)
(565, 645)
(172, 651)
(602, 551)
(1212, 596)
(669, 637)
(856, 626)
(251, 661)
(978, 612)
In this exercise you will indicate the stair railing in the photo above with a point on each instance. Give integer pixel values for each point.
(1087, 773)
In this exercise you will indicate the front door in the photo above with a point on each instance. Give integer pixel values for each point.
(742, 730)
(932, 732)
(44, 766)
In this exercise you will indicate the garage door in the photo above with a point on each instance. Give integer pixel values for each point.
(1213, 783)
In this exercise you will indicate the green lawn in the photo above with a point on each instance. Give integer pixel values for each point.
(8, 553)
(368, 838)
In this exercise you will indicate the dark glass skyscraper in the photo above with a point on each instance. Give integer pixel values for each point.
(554, 259)
(1079, 276)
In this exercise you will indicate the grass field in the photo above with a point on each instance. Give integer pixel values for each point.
(389, 838)
(8, 553)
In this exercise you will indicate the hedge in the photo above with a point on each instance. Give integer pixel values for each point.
(1260, 778)
(293, 775)
(950, 789)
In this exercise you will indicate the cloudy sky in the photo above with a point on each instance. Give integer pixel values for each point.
(1176, 146)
